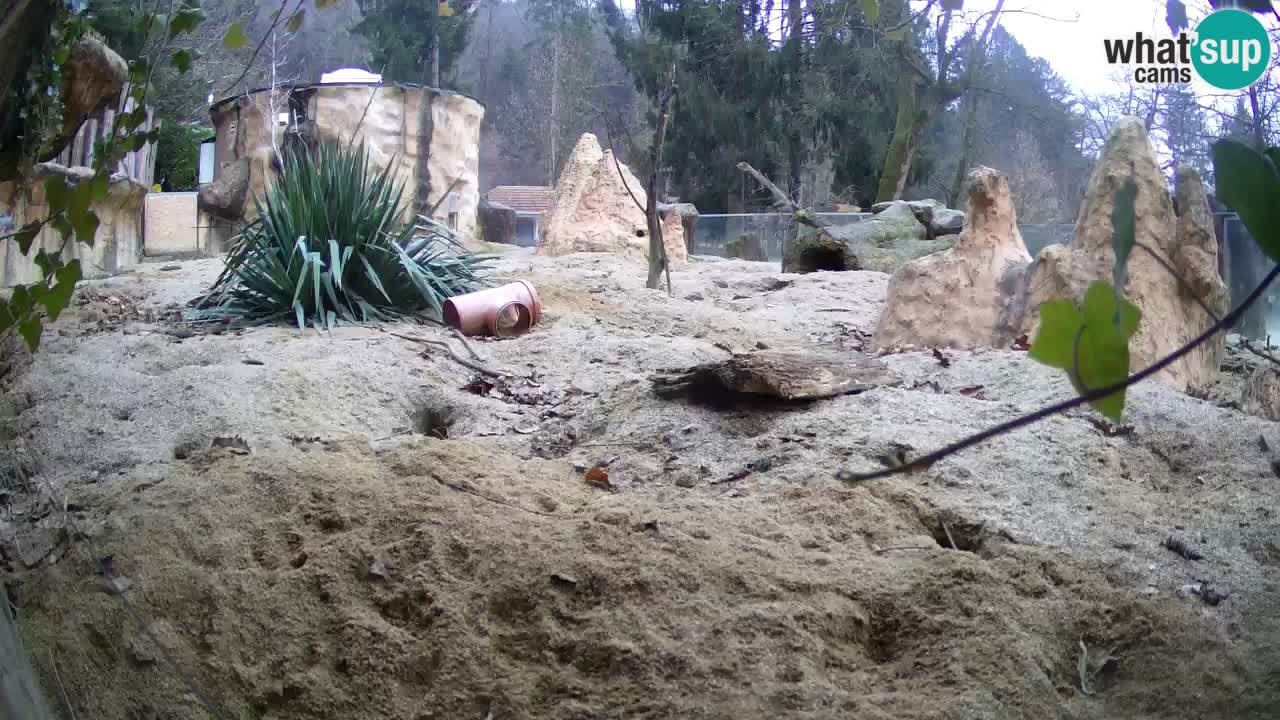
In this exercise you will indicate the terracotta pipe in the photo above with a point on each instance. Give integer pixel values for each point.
(504, 311)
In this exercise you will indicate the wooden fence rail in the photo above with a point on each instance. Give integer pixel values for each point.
(139, 165)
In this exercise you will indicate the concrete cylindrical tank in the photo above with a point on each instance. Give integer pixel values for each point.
(430, 138)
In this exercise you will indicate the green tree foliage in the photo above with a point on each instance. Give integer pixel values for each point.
(402, 34)
(822, 93)
(178, 155)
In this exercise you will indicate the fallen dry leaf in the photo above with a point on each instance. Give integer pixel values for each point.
(598, 477)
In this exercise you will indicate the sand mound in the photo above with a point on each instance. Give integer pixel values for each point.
(598, 209)
(516, 590)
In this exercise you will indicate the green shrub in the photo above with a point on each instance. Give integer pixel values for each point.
(330, 244)
(178, 155)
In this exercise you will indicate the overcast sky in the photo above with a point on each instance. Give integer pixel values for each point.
(1072, 43)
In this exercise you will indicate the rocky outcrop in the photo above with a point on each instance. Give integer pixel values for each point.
(93, 74)
(1261, 393)
(497, 223)
(225, 197)
(1171, 308)
(937, 219)
(597, 209)
(688, 215)
(883, 243)
(964, 297)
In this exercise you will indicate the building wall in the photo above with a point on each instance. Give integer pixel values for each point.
(172, 225)
(117, 246)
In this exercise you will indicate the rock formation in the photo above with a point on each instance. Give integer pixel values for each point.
(938, 219)
(882, 243)
(225, 197)
(1261, 393)
(963, 297)
(1171, 308)
(688, 215)
(595, 212)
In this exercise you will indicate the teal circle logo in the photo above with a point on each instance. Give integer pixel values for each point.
(1232, 49)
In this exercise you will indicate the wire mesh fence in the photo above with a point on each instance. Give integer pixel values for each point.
(1243, 266)
(715, 232)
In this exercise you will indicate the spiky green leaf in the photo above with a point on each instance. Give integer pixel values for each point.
(1248, 182)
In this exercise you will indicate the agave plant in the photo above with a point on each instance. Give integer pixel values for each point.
(330, 245)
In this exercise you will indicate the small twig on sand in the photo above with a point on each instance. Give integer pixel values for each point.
(499, 501)
(457, 334)
(950, 540)
(54, 664)
(456, 357)
(882, 551)
(615, 444)
(1082, 669)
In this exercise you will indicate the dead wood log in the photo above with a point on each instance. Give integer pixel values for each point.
(779, 374)
(804, 217)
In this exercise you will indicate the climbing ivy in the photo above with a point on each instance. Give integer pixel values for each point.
(69, 203)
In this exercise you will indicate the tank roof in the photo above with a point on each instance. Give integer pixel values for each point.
(309, 86)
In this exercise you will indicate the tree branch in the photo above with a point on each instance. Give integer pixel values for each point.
(924, 462)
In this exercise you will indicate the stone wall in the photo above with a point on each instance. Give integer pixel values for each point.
(172, 225)
(117, 246)
(429, 138)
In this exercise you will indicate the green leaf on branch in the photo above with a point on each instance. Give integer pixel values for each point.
(1122, 231)
(182, 60)
(48, 263)
(235, 37)
(185, 20)
(30, 329)
(1091, 343)
(295, 20)
(55, 193)
(871, 8)
(27, 235)
(58, 298)
(1249, 183)
(84, 221)
(86, 227)
(101, 185)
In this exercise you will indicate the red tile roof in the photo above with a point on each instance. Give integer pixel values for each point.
(523, 198)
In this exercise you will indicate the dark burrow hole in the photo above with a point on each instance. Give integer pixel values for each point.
(823, 258)
(433, 421)
(966, 536)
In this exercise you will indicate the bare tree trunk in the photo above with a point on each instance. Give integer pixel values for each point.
(966, 151)
(435, 61)
(897, 161)
(555, 108)
(658, 263)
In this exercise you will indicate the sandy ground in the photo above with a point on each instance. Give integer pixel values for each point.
(402, 542)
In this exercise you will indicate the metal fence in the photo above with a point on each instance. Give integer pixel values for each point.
(773, 229)
(716, 231)
(1243, 266)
